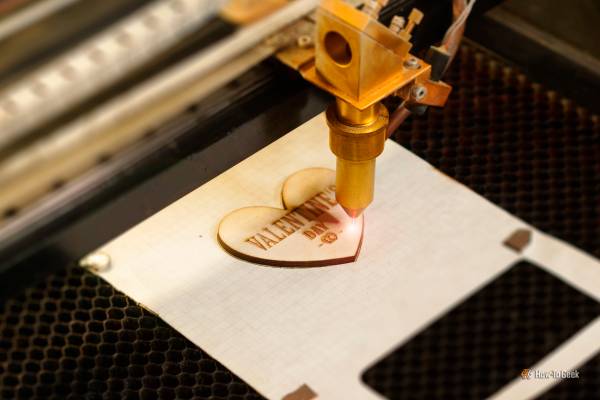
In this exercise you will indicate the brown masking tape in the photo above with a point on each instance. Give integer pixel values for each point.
(518, 240)
(304, 392)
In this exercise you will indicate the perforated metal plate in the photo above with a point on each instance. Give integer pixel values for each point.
(527, 150)
(74, 336)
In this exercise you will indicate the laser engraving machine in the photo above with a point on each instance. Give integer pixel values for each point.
(73, 106)
(361, 62)
(113, 110)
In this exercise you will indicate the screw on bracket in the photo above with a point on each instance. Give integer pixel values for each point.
(373, 7)
(304, 41)
(418, 92)
(412, 63)
(397, 23)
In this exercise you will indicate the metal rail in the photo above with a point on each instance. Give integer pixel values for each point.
(97, 63)
(30, 15)
(76, 147)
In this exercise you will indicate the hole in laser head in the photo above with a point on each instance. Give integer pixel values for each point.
(338, 48)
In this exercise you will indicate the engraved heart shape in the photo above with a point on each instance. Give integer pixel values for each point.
(311, 229)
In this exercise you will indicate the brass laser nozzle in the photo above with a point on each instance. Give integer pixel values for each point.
(361, 62)
(356, 137)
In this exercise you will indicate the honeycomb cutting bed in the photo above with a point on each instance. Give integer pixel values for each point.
(526, 149)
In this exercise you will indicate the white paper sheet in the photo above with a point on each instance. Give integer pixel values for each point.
(429, 243)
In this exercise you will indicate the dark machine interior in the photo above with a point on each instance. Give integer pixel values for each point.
(520, 128)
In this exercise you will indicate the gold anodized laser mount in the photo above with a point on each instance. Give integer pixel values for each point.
(361, 61)
(356, 137)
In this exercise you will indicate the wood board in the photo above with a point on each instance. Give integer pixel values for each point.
(310, 229)
(429, 243)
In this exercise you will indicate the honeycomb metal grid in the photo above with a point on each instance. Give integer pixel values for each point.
(526, 149)
(74, 336)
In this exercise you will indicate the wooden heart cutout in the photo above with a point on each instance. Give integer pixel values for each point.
(311, 230)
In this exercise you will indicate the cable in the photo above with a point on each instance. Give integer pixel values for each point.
(461, 9)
